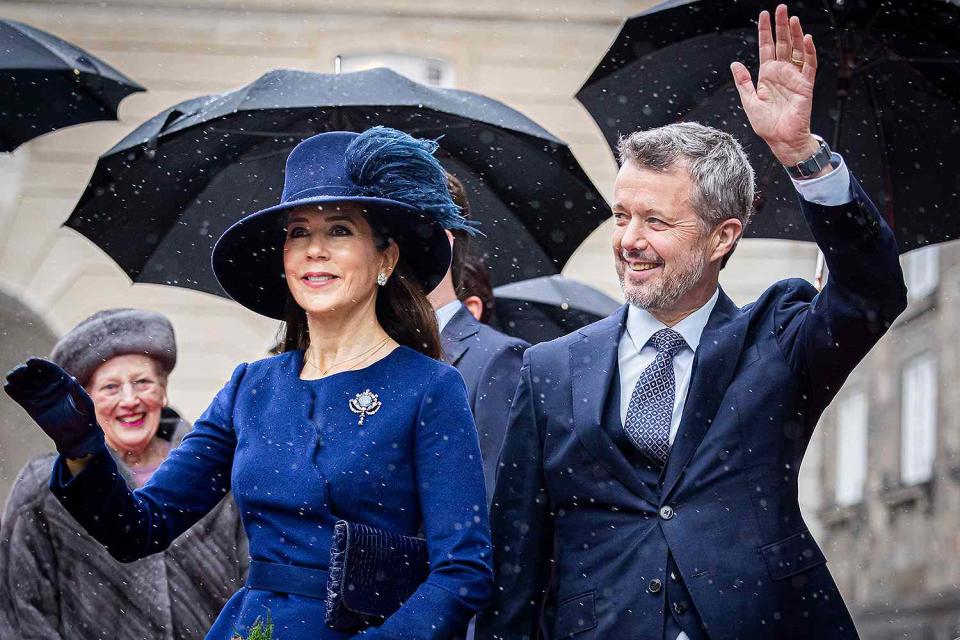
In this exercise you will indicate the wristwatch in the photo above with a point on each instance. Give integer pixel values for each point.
(812, 165)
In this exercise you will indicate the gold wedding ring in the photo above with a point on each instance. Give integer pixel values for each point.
(797, 63)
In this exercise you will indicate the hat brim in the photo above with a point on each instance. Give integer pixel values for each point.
(248, 258)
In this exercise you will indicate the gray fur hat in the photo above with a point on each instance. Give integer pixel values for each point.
(115, 332)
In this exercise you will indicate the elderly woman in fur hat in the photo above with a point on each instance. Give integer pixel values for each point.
(356, 427)
(60, 583)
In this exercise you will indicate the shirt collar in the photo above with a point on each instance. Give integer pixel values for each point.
(641, 325)
(446, 312)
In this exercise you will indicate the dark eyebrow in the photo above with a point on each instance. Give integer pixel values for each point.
(330, 218)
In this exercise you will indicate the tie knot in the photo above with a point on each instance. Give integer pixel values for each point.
(668, 341)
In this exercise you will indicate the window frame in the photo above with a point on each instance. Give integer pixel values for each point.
(922, 272)
(853, 428)
(919, 418)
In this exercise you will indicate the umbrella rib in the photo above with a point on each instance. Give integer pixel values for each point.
(43, 45)
(884, 166)
(101, 99)
(920, 60)
(276, 134)
(72, 66)
(864, 69)
(864, 32)
(262, 134)
(265, 155)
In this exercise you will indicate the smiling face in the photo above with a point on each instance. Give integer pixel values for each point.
(128, 393)
(663, 254)
(331, 261)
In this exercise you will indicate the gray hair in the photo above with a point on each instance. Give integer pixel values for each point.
(720, 170)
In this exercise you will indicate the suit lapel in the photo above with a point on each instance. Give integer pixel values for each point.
(453, 337)
(593, 361)
(713, 367)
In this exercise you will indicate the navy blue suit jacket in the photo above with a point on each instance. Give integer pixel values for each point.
(762, 376)
(489, 362)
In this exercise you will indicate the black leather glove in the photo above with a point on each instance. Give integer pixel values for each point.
(57, 402)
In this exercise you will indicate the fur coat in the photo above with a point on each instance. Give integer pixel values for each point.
(58, 583)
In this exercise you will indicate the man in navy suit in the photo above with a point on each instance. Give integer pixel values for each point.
(650, 464)
(488, 360)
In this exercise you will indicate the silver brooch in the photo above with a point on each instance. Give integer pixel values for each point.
(365, 404)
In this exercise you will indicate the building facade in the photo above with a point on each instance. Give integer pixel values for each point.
(889, 469)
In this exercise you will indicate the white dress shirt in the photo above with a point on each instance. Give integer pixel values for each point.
(635, 354)
(446, 312)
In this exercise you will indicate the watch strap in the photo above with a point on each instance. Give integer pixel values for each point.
(813, 165)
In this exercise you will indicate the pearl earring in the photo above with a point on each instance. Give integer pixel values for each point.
(382, 279)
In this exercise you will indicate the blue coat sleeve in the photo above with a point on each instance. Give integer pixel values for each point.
(188, 484)
(452, 501)
(824, 335)
(522, 525)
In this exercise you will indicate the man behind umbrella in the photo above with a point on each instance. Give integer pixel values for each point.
(488, 360)
(657, 450)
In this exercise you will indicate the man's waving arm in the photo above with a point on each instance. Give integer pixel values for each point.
(822, 335)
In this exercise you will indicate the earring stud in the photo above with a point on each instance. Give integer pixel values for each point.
(382, 279)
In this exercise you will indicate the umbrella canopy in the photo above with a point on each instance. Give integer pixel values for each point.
(548, 307)
(48, 84)
(160, 198)
(887, 97)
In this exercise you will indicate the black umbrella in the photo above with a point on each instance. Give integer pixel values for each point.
(160, 198)
(887, 98)
(48, 84)
(548, 307)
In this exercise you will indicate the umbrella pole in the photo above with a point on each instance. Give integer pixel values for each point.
(337, 62)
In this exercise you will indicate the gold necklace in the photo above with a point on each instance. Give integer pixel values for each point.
(364, 361)
(369, 352)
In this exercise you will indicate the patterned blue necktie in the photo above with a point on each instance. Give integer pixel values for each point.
(651, 405)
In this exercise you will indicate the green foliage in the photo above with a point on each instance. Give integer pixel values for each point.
(260, 630)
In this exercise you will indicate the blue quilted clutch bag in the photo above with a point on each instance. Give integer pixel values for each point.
(372, 572)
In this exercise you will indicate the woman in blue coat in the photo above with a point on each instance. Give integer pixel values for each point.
(357, 420)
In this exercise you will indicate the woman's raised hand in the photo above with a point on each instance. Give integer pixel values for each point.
(59, 404)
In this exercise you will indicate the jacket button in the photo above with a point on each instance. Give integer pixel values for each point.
(679, 608)
(654, 586)
(666, 512)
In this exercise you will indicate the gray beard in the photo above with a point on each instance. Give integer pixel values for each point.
(666, 293)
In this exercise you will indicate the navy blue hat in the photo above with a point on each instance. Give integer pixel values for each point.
(394, 177)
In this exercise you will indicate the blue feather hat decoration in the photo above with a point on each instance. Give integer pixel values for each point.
(388, 163)
(392, 178)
